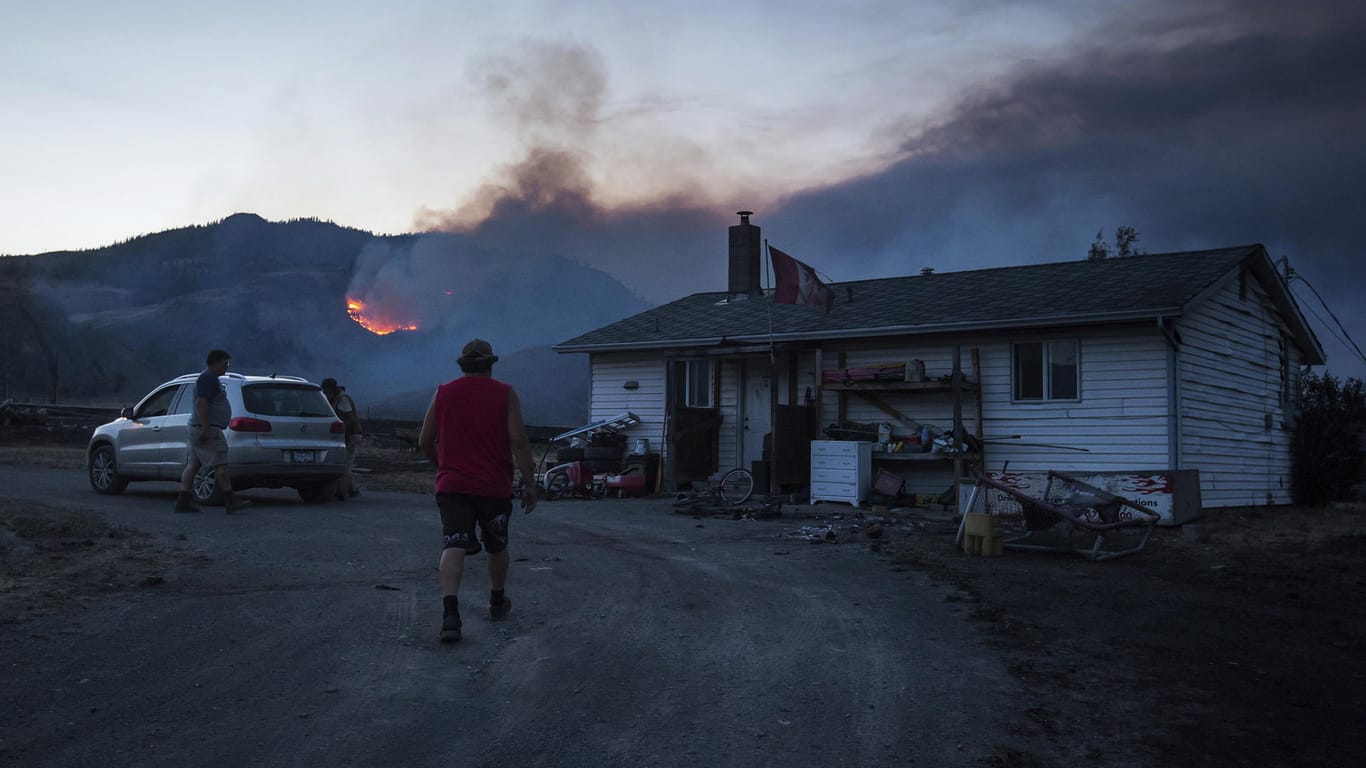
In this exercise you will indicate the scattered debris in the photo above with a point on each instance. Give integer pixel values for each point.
(817, 534)
(880, 531)
(707, 503)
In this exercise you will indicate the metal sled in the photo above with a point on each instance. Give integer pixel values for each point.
(1070, 506)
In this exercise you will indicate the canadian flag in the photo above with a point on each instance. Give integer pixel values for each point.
(796, 283)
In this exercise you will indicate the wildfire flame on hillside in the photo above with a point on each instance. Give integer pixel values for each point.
(370, 321)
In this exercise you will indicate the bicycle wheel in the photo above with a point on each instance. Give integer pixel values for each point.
(736, 486)
(556, 485)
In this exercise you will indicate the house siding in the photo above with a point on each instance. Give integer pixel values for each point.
(610, 371)
(1120, 422)
(728, 405)
(1231, 380)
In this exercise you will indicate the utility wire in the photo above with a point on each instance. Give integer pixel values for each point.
(1348, 337)
(1327, 326)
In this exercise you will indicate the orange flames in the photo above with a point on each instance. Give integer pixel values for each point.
(372, 322)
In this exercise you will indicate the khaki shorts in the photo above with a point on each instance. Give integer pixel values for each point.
(211, 453)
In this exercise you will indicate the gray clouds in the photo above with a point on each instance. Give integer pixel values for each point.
(1202, 125)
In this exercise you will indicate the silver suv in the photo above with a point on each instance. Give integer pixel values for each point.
(283, 433)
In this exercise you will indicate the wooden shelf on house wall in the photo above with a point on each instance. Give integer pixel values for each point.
(898, 386)
(869, 390)
(924, 456)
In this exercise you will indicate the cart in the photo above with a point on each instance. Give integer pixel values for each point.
(572, 477)
(1114, 525)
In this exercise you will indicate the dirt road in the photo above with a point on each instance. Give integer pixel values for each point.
(301, 634)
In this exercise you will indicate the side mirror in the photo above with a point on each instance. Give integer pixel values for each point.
(127, 412)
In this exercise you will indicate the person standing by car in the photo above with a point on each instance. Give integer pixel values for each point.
(473, 431)
(346, 411)
(208, 446)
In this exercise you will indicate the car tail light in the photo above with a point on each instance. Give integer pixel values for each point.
(338, 428)
(244, 424)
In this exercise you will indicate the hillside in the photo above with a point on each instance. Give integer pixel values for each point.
(106, 324)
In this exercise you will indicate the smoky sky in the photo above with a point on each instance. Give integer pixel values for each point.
(1201, 125)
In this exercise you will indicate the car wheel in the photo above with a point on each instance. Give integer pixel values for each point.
(104, 475)
(206, 487)
(314, 492)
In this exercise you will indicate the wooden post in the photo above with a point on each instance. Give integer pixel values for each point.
(982, 446)
(956, 382)
(842, 414)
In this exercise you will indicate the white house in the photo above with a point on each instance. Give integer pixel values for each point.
(1174, 361)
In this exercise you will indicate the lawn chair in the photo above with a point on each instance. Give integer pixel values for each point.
(1069, 506)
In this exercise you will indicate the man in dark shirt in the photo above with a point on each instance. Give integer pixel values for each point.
(208, 446)
(473, 432)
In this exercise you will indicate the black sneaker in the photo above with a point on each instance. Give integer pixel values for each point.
(500, 611)
(354, 493)
(450, 628)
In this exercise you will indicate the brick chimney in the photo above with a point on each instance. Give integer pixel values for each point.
(745, 259)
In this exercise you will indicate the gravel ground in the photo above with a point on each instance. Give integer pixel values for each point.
(1235, 641)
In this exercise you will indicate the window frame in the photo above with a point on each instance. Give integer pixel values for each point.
(697, 378)
(169, 393)
(271, 398)
(1045, 370)
(184, 403)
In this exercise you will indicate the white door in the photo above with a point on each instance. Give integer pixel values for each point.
(757, 413)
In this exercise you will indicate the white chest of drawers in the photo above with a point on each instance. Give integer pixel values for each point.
(840, 470)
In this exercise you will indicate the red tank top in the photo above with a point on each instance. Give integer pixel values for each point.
(472, 449)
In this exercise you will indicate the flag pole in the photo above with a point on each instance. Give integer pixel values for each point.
(768, 257)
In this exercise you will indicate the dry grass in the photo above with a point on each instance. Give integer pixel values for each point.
(53, 456)
(51, 558)
(394, 469)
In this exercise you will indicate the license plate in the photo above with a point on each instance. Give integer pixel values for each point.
(302, 457)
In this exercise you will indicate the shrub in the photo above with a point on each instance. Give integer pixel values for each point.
(1328, 460)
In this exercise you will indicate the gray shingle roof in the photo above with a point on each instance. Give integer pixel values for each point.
(1063, 293)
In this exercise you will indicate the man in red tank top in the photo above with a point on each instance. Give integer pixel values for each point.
(472, 432)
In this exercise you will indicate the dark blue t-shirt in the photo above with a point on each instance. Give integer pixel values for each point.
(207, 387)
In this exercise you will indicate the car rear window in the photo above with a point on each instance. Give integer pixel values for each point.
(279, 399)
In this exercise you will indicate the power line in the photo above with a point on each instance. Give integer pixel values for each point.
(1348, 337)
(1327, 326)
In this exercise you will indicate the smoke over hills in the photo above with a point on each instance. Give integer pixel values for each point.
(107, 324)
(1202, 124)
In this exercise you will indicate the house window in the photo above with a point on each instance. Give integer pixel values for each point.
(1046, 370)
(697, 384)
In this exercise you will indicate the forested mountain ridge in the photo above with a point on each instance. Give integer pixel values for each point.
(106, 324)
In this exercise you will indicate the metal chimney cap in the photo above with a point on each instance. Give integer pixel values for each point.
(744, 216)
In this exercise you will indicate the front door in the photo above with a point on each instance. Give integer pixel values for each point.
(756, 409)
